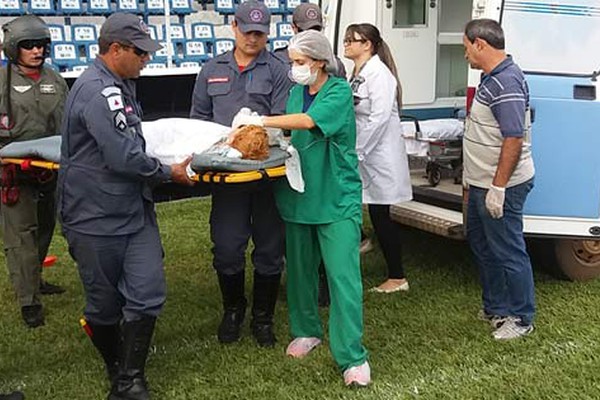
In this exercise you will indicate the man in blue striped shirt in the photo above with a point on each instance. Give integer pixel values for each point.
(498, 169)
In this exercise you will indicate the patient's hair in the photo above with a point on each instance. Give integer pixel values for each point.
(252, 141)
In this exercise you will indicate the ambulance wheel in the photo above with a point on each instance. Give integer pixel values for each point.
(579, 260)
(434, 174)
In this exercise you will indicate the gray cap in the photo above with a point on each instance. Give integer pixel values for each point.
(307, 16)
(128, 29)
(252, 16)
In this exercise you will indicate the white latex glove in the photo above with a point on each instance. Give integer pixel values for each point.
(244, 119)
(494, 201)
(293, 170)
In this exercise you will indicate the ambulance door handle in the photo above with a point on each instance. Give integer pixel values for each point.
(388, 4)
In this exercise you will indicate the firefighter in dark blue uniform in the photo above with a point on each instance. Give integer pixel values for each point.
(248, 76)
(106, 207)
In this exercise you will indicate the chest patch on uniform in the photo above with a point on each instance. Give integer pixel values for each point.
(120, 121)
(115, 102)
(22, 89)
(47, 89)
(223, 79)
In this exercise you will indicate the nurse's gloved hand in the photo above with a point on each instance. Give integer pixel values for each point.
(242, 119)
(494, 201)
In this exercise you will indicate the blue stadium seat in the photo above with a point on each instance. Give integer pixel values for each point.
(153, 31)
(99, 7)
(57, 32)
(225, 7)
(155, 7)
(11, 7)
(41, 7)
(189, 64)
(181, 7)
(161, 55)
(83, 33)
(64, 55)
(223, 45)
(177, 35)
(273, 5)
(196, 50)
(203, 30)
(70, 7)
(284, 30)
(91, 51)
(278, 43)
(131, 6)
(289, 5)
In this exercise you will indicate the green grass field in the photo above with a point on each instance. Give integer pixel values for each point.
(425, 344)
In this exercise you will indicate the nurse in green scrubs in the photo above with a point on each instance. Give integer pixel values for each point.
(323, 222)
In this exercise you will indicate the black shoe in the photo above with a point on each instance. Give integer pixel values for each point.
(107, 340)
(50, 289)
(12, 396)
(266, 288)
(234, 307)
(130, 383)
(33, 315)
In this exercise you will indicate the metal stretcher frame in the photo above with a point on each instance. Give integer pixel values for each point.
(206, 177)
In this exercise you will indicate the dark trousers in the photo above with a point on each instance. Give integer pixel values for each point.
(27, 228)
(122, 275)
(499, 249)
(241, 213)
(388, 234)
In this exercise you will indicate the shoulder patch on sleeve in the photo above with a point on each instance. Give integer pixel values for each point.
(111, 91)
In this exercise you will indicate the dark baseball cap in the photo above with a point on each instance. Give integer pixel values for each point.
(128, 29)
(253, 16)
(307, 16)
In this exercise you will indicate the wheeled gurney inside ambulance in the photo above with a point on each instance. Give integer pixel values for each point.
(438, 142)
(171, 140)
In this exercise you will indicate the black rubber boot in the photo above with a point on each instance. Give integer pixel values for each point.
(130, 383)
(33, 315)
(324, 298)
(107, 339)
(234, 307)
(266, 288)
(49, 289)
(12, 396)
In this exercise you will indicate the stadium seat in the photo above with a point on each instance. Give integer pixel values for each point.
(273, 5)
(155, 7)
(162, 54)
(196, 50)
(130, 6)
(99, 7)
(41, 7)
(78, 67)
(203, 30)
(225, 7)
(289, 5)
(189, 64)
(181, 7)
(57, 32)
(91, 51)
(279, 43)
(155, 65)
(222, 46)
(284, 30)
(64, 55)
(83, 33)
(70, 7)
(153, 32)
(11, 7)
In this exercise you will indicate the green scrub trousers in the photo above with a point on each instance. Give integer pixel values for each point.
(337, 244)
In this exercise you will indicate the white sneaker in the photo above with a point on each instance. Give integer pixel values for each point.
(365, 246)
(358, 376)
(512, 329)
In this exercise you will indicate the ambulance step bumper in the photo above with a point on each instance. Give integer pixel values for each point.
(437, 220)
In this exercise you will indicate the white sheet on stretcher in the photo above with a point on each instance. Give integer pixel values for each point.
(172, 140)
(431, 129)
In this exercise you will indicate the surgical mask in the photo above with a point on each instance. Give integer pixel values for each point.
(303, 75)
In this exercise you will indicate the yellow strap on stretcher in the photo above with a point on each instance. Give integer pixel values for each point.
(33, 163)
(206, 177)
(239, 177)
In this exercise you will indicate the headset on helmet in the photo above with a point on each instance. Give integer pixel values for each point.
(26, 27)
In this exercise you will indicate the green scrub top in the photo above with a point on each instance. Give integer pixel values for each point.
(328, 158)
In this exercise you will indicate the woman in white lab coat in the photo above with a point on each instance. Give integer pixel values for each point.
(379, 143)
